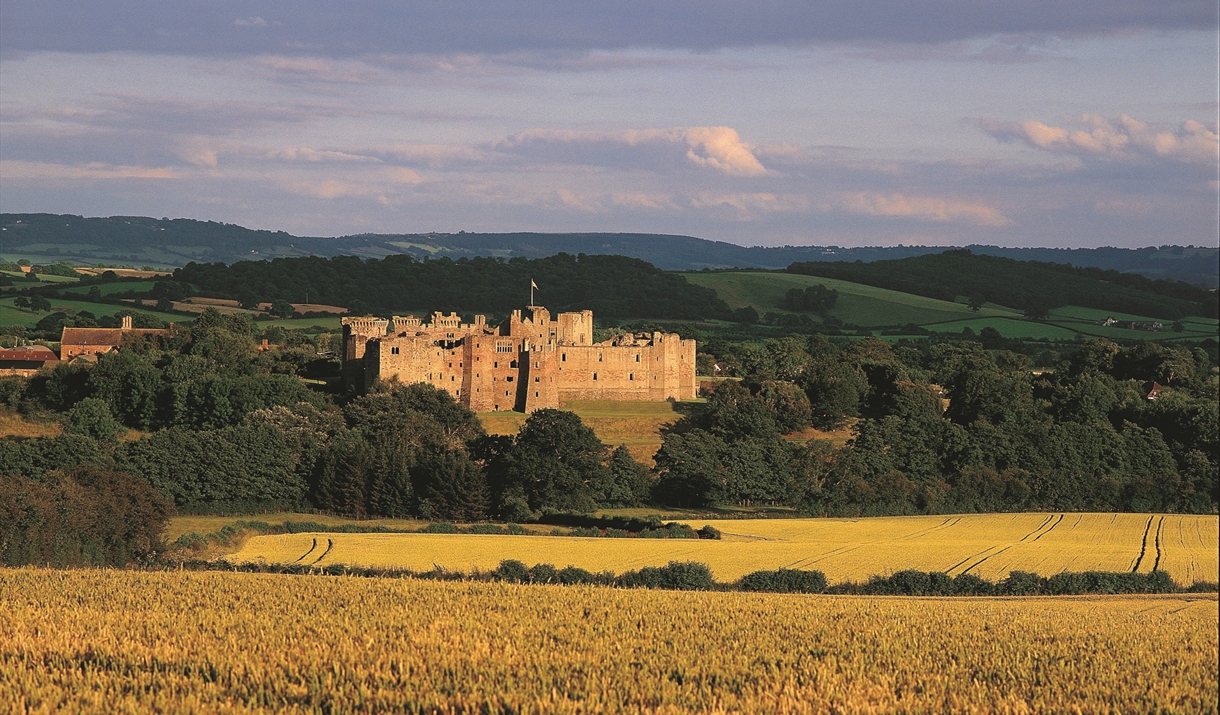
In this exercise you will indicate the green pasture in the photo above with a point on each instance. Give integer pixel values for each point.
(10, 315)
(1007, 327)
(19, 277)
(857, 304)
(112, 288)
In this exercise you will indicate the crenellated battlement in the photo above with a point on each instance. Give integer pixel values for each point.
(530, 361)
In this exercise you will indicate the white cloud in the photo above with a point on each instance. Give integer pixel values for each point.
(720, 149)
(921, 208)
(252, 21)
(1092, 135)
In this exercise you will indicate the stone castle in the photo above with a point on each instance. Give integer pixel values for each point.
(529, 362)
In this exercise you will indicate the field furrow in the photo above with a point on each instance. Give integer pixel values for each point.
(988, 545)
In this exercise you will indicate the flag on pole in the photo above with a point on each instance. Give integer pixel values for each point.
(533, 287)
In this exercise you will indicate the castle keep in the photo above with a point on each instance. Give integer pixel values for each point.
(530, 362)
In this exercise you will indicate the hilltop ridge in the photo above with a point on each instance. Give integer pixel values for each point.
(176, 242)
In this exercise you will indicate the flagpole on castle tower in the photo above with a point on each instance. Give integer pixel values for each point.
(533, 287)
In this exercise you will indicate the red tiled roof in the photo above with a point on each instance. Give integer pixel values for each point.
(28, 353)
(103, 336)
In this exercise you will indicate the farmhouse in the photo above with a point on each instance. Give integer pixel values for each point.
(78, 342)
(530, 362)
(25, 360)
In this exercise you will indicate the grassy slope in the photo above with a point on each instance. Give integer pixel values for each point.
(12, 316)
(112, 288)
(858, 304)
(635, 424)
(869, 306)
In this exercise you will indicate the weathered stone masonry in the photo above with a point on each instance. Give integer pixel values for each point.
(529, 362)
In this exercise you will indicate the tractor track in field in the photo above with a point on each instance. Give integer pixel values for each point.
(1160, 527)
(976, 564)
(802, 563)
(1039, 536)
(307, 553)
(1048, 520)
(1143, 546)
(330, 544)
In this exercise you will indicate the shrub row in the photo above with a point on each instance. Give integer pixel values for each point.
(695, 576)
(626, 527)
(1018, 583)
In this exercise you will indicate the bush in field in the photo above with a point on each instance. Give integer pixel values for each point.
(676, 575)
(784, 581)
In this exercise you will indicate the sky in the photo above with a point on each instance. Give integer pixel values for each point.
(1071, 123)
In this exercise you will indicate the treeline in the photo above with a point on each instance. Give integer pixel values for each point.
(1026, 285)
(950, 429)
(610, 286)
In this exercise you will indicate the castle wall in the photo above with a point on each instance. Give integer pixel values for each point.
(532, 362)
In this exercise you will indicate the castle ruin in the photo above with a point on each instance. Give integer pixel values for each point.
(530, 362)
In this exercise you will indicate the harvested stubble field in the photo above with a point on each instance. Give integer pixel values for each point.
(987, 545)
(207, 642)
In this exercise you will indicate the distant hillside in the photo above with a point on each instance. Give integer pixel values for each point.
(176, 242)
(1028, 286)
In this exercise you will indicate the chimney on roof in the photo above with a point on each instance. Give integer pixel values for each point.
(126, 322)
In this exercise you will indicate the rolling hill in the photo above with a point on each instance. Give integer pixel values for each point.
(170, 243)
(880, 308)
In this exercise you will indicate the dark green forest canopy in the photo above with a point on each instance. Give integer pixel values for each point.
(610, 286)
(1027, 285)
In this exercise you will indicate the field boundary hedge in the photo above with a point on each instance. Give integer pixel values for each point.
(696, 576)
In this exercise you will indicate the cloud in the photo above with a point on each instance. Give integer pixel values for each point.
(495, 26)
(717, 148)
(921, 208)
(1091, 135)
(385, 186)
(314, 155)
(640, 200)
(16, 169)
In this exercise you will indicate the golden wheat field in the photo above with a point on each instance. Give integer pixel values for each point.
(95, 641)
(987, 545)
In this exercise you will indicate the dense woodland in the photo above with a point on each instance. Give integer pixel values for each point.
(1027, 285)
(610, 286)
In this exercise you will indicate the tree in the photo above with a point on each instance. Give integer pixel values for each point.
(39, 303)
(977, 302)
(91, 417)
(21, 302)
(553, 464)
(282, 309)
(747, 315)
(627, 482)
(451, 487)
(164, 305)
(1037, 311)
